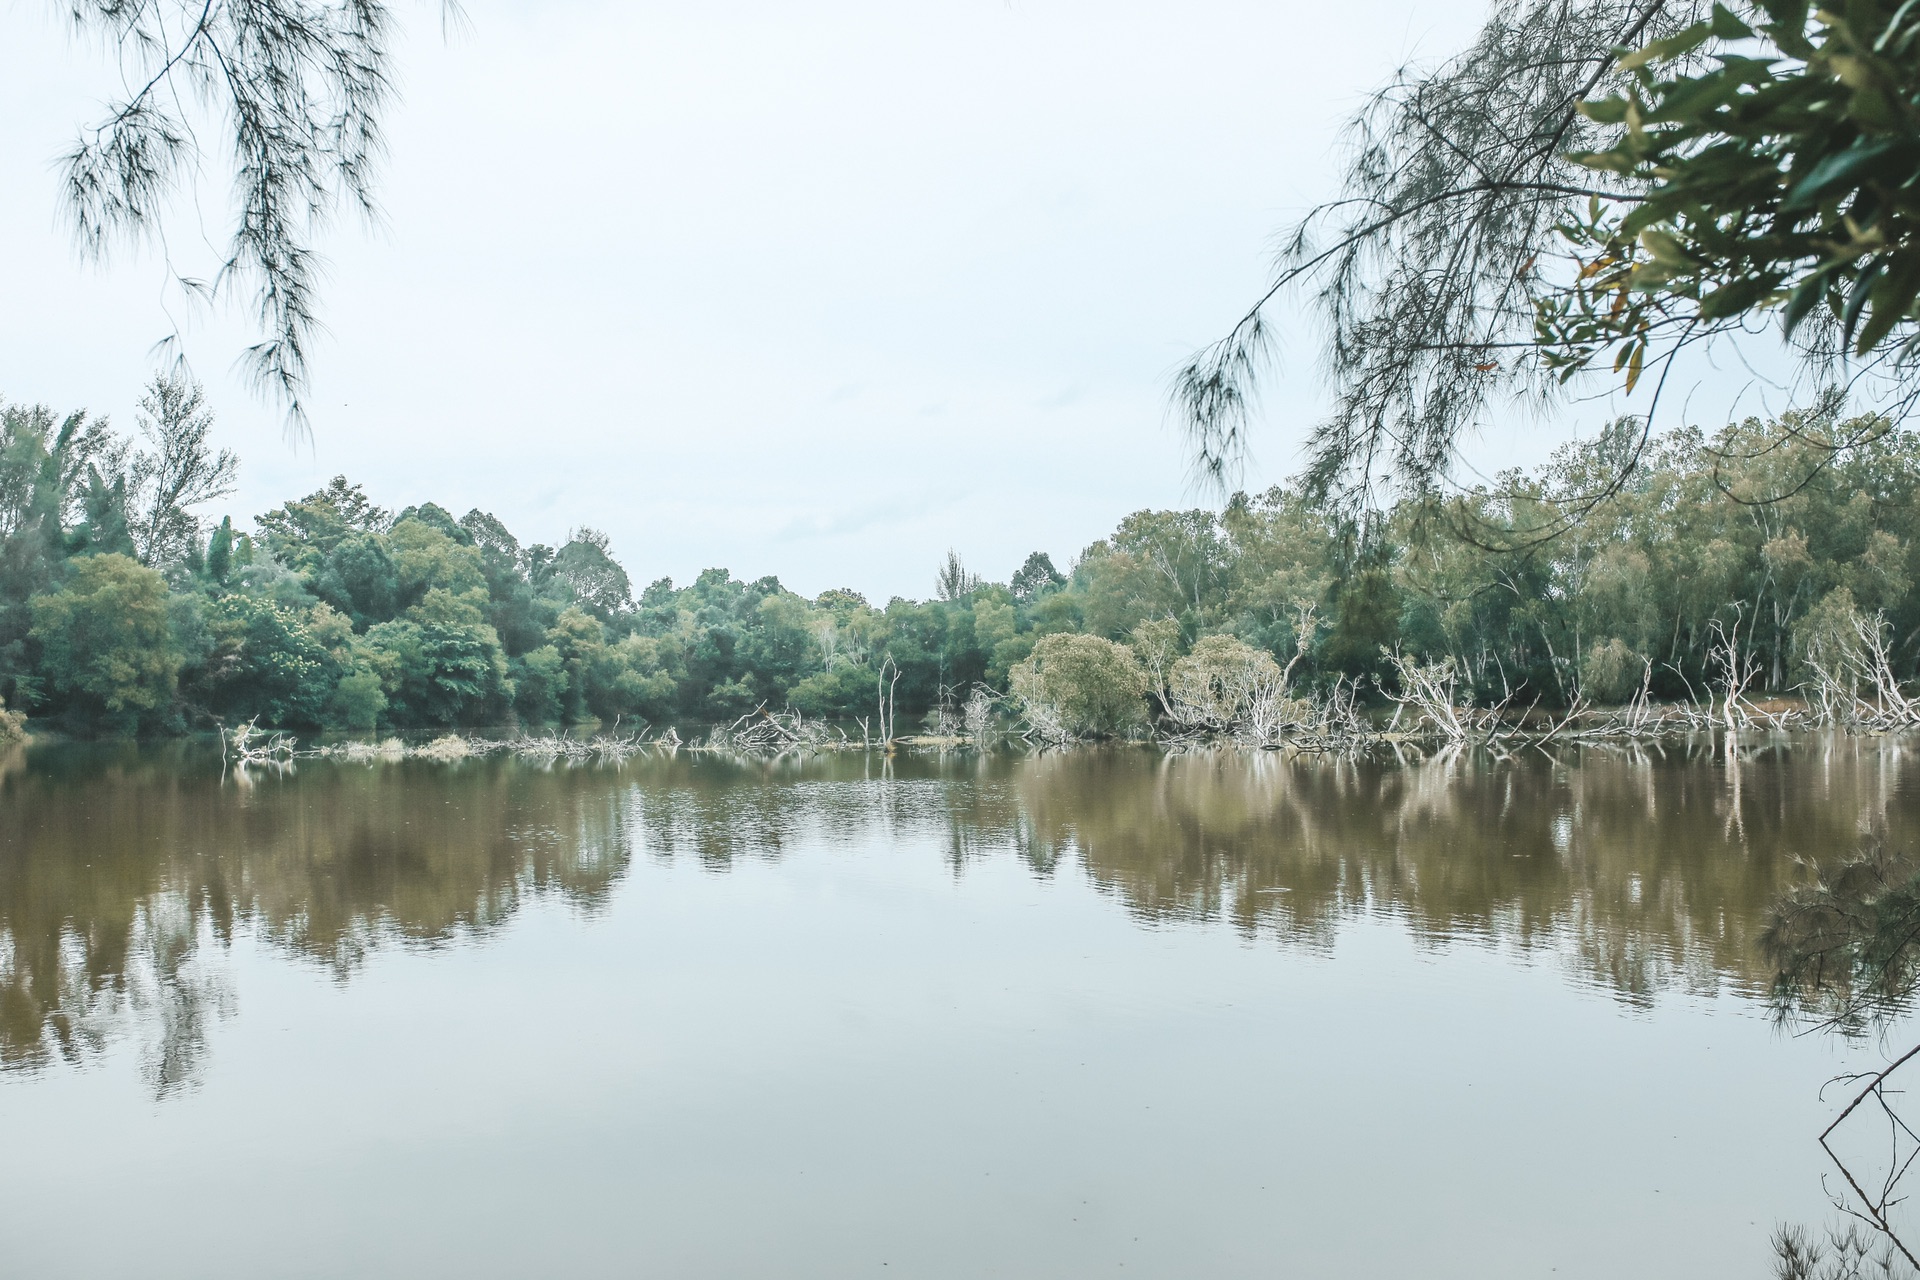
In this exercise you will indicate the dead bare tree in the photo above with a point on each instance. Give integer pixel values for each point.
(1851, 683)
(770, 733)
(976, 716)
(1429, 690)
(887, 681)
(1737, 670)
(247, 744)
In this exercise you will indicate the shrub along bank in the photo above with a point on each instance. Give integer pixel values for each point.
(125, 608)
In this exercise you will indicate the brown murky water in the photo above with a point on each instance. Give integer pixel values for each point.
(1084, 1013)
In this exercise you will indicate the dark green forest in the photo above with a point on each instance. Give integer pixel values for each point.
(125, 607)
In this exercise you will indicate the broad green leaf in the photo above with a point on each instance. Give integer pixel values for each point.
(1672, 47)
(1893, 299)
(1837, 172)
(1727, 27)
(1666, 249)
(1605, 110)
(1789, 27)
(1857, 300)
(1806, 295)
(1879, 324)
(1733, 299)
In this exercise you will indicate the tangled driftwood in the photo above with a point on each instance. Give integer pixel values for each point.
(772, 733)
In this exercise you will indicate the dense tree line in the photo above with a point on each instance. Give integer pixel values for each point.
(123, 609)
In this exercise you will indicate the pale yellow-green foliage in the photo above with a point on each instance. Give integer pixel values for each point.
(1214, 685)
(1279, 544)
(450, 747)
(1878, 576)
(1610, 671)
(105, 635)
(1619, 597)
(427, 558)
(1829, 631)
(993, 621)
(996, 631)
(331, 628)
(358, 699)
(1081, 686)
(1157, 643)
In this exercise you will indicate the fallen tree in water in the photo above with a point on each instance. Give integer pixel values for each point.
(763, 732)
(249, 744)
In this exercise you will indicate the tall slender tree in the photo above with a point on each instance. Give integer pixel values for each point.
(179, 471)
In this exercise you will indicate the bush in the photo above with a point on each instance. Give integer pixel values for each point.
(1611, 672)
(358, 701)
(1080, 686)
(845, 690)
(266, 662)
(440, 663)
(106, 641)
(1213, 686)
(540, 685)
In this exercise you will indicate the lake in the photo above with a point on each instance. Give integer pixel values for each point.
(1088, 1012)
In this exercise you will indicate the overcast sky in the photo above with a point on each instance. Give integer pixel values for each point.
(812, 289)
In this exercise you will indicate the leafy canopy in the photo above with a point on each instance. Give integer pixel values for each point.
(1782, 172)
(1595, 187)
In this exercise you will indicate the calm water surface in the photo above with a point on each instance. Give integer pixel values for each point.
(1090, 1013)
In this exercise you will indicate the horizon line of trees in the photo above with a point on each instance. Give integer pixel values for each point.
(124, 610)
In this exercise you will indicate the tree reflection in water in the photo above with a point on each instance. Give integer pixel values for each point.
(126, 872)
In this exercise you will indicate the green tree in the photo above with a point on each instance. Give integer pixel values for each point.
(43, 463)
(844, 690)
(778, 645)
(440, 663)
(358, 576)
(580, 641)
(996, 631)
(177, 472)
(358, 701)
(220, 552)
(105, 641)
(426, 557)
(266, 662)
(1035, 578)
(1082, 686)
(104, 524)
(1366, 620)
(540, 685)
(591, 575)
(302, 532)
(953, 580)
(646, 677)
